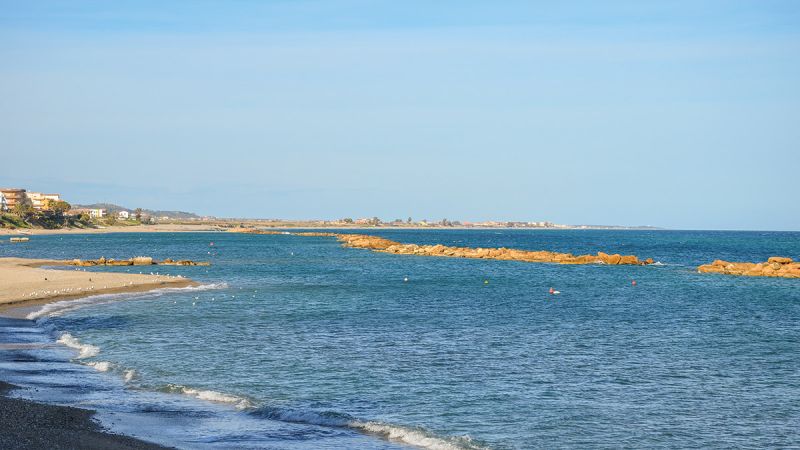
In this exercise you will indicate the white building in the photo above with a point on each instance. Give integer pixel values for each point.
(97, 213)
(3, 202)
(123, 215)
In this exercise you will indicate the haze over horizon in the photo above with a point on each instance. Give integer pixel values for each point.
(673, 114)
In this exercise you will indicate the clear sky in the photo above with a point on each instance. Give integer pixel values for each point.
(682, 114)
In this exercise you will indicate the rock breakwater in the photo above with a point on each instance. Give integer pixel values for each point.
(384, 245)
(135, 261)
(776, 266)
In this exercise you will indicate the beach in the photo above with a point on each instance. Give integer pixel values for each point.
(299, 342)
(158, 228)
(25, 284)
(31, 425)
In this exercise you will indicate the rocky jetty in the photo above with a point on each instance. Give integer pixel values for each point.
(135, 261)
(380, 244)
(776, 266)
(504, 254)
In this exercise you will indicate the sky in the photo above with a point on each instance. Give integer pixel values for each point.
(678, 114)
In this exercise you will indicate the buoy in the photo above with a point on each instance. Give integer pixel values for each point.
(405, 279)
(554, 292)
(633, 283)
(485, 281)
(211, 244)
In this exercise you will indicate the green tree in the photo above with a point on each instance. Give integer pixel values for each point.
(347, 220)
(23, 208)
(138, 214)
(59, 207)
(111, 219)
(409, 220)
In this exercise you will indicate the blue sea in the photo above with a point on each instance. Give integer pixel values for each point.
(298, 343)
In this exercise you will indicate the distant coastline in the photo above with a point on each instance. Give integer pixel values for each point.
(229, 224)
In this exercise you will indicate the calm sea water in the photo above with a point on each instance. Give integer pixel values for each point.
(296, 342)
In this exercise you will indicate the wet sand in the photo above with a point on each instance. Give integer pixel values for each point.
(29, 425)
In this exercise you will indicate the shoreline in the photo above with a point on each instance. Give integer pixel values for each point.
(25, 284)
(27, 424)
(220, 227)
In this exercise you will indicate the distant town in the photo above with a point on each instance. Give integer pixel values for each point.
(20, 208)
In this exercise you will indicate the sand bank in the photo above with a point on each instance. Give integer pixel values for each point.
(24, 283)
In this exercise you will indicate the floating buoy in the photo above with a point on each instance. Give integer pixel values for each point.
(485, 281)
(405, 280)
(211, 244)
(633, 283)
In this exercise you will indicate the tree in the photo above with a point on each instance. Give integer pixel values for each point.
(23, 208)
(138, 214)
(347, 220)
(409, 220)
(58, 206)
(375, 221)
(111, 219)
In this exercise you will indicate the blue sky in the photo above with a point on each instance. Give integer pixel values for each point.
(680, 114)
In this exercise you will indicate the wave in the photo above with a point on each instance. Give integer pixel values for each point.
(102, 366)
(409, 435)
(208, 395)
(84, 350)
(58, 308)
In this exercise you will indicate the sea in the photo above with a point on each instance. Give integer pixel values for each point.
(296, 342)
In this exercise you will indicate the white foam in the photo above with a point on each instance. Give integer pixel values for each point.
(58, 308)
(129, 374)
(84, 350)
(211, 396)
(102, 366)
(414, 437)
(398, 433)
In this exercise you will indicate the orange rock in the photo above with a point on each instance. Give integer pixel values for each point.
(779, 260)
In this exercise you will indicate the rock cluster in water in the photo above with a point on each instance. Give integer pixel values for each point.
(380, 244)
(136, 261)
(776, 266)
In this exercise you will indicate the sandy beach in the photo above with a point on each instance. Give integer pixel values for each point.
(23, 283)
(160, 228)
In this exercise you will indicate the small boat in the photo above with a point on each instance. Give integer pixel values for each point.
(19, 239)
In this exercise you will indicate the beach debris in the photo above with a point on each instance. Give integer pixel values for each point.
(776, 266)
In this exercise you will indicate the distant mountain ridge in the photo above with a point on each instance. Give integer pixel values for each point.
(112, 208)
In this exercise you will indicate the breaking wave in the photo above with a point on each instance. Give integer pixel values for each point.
(392, 432)
(84, 350)
(58, 308)
(208, 395)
